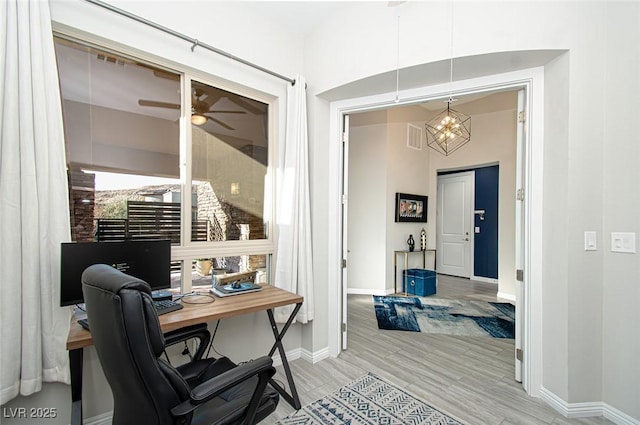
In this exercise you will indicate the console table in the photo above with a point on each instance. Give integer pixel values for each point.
(406, 263)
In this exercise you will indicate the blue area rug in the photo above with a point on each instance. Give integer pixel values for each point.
(451, 317)
(366, 401)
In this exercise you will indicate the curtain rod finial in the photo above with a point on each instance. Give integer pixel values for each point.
(293, 83)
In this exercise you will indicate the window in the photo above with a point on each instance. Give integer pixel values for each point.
(229, 163)
(125, 146)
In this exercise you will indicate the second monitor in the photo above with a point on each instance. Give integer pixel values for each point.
(149, 260)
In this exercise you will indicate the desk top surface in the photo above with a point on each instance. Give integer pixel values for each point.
(270, 297)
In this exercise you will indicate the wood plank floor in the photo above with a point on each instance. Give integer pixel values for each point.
(470, 378)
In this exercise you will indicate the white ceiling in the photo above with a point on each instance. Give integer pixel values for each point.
(298, 17)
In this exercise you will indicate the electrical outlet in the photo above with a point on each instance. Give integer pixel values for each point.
(623, 242)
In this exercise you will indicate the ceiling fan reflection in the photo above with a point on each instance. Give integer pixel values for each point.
(200, 108)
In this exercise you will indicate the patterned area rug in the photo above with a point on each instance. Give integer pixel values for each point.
(368, 400)
(440, 316)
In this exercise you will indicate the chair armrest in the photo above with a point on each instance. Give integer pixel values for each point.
(260, 367)
(198, 331)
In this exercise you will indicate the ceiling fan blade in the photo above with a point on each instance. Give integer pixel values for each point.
(156, 104)
(212, 111)
(159, 72)
(166, 75)
(228, 127)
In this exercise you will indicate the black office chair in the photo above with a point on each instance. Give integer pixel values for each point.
(148, 390)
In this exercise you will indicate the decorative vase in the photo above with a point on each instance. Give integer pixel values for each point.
(203, 267)
(423, 240)
(411, 243)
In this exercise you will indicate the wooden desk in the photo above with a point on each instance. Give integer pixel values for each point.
(269, 298)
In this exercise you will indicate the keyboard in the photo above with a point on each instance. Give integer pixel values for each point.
(162, 307)
(166, 306)
(84, 323)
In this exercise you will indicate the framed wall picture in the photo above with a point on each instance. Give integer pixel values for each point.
(411, 208)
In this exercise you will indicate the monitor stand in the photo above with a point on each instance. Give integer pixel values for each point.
(161, 295)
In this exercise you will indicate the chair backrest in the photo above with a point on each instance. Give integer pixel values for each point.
(128, 339)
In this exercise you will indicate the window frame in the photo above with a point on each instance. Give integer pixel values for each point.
(189, 250)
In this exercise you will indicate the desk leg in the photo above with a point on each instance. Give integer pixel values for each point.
(75, 365)
(293, 399)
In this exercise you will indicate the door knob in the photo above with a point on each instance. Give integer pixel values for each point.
(465, 239)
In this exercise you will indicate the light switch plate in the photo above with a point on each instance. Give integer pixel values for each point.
(623, 242)
(590, 241)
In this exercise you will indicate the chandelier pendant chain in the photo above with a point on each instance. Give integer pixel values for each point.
(398, 61)
(451, 56)
(449, 130)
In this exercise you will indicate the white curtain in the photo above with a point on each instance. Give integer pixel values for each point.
(293, 268)
(34, 211)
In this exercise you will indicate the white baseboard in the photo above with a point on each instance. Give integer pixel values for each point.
(315, 357)
(291, 355)
(505, 296)
(484, 279)
(618, 417)
(584, 410)
(554, 401)
(300, 353)
(380, 292)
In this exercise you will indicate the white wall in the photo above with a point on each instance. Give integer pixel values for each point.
(589, 339)
(367, 199)
(381, 164)
(407, 172)
(555, 299)
(620, 153)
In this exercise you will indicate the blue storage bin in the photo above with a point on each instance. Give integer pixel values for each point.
(419, 282)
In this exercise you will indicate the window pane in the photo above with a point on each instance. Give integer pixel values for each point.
(229, 163)
(141, 207)
(205, 269)
(177, 269)
(121, 123)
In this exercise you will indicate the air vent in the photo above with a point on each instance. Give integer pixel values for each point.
(414, 137)
(110, 59)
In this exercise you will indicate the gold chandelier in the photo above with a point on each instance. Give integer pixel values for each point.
(449, 130)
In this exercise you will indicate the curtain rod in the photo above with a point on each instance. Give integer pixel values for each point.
(194, 41)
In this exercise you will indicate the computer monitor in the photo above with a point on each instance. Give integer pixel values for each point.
(149, 260)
